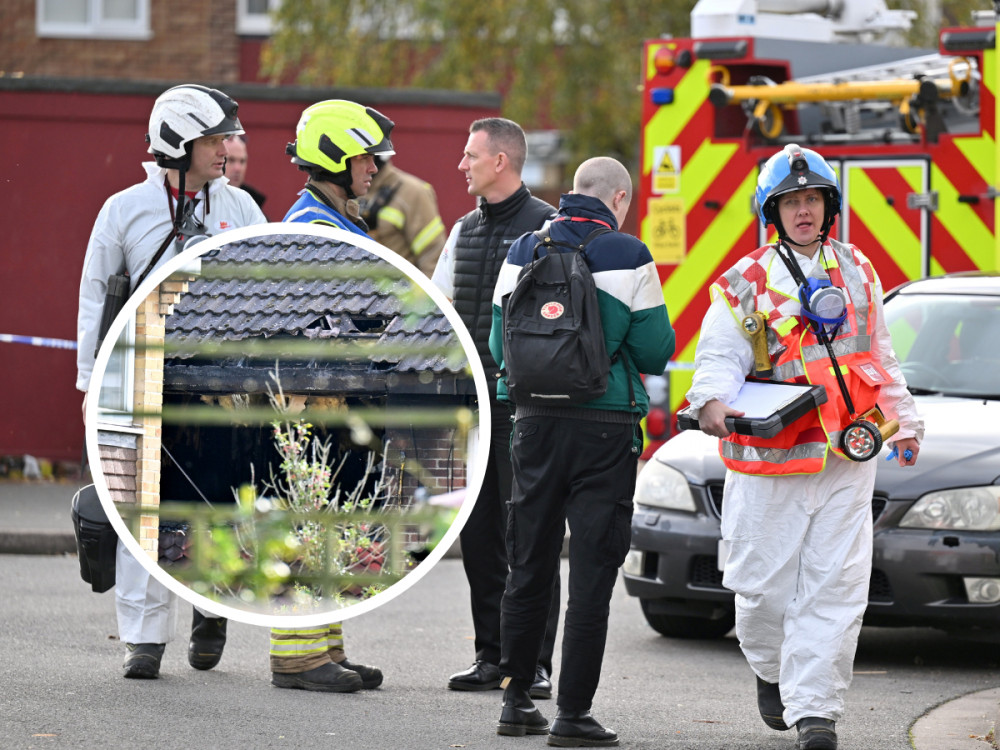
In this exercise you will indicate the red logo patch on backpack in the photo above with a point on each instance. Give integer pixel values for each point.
(552, 310)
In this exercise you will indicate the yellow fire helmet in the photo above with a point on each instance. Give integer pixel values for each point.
(331, 132)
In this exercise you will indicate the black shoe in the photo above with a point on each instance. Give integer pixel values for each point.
(480, 676)
(770, 706)
(142, 660)
(519, 716)
(816, 734)
(208, 638)
(542, 686)
(580, 729)
(371, 677)
(329, 678)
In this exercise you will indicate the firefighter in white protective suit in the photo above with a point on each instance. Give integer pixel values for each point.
(184, 195)
(796, 514)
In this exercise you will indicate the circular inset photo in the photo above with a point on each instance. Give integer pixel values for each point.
(288, 425)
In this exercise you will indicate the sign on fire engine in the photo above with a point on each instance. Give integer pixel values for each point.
(666, 169)
(666, 240)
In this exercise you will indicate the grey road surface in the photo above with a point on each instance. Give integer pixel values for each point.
(62, 685)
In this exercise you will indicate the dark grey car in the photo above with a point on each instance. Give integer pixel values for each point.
(937, 524)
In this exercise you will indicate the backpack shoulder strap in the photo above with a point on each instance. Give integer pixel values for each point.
(594, 235)
(545, 239)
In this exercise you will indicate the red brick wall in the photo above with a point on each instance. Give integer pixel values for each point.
(118, 464)
(191, 39)
(441, 454)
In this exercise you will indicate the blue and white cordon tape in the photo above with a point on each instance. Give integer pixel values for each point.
(11, 338)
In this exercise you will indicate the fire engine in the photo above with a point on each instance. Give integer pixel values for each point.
(911, 137)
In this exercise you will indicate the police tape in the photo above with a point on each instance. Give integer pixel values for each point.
(10, 338)
(675, 365)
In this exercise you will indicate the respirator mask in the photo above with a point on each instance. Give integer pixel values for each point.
(824, 306)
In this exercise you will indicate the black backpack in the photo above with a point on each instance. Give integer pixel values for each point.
(553, 340)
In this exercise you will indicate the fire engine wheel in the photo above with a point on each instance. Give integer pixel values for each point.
(861, 441)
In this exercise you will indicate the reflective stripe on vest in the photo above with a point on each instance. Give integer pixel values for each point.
(802, 447)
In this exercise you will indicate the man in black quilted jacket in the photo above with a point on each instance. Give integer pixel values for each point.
(467, 273)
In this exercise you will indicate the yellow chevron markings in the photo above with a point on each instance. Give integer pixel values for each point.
(703, 168)
(671, 119)
(962, 223)
(885, 224)
(979, 152)
(712, 246)
(989, 82)
(703, 261)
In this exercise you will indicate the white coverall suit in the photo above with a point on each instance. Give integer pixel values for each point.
(128, 231)
(800, 547)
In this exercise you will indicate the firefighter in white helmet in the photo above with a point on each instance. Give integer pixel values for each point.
(135, 231)
(796, 513)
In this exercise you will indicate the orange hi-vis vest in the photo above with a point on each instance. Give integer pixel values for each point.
(798, 356)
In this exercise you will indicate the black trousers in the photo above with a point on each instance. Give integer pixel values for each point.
(484, 554)
(582, 472)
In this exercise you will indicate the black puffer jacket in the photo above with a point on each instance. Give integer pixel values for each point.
(485, 237)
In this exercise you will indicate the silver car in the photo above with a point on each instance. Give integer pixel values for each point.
(937, 524)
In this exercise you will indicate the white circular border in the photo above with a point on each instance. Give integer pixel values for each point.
(474, 473)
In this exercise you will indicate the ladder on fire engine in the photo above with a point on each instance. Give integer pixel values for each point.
(914, 88)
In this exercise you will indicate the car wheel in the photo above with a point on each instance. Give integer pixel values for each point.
(685, 626)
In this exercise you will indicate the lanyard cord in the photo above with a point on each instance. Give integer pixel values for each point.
(800, 278)
(582, 218)
(181, 212)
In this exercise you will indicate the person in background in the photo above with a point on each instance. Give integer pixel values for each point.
(467, 273)
(336, 142)
(577, 464)
(189, 131)
(796, 511)
(401, 212)
(236, 168)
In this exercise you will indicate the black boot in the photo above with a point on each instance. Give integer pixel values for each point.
(542, 686)
(580, 729)
(480, 676)
(327, 678)
(770, 706)
(371, 677)
(208, 638)
(816, 734)
(519, 715)
(142, 660)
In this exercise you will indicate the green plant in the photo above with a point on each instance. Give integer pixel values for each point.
(323, 535)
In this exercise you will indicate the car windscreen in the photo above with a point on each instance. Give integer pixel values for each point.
(947, 343)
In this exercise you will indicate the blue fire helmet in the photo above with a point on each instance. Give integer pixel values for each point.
(795, 168)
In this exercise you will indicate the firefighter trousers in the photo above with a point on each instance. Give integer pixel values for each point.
(295, 651)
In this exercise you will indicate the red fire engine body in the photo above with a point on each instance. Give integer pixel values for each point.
(912, 142)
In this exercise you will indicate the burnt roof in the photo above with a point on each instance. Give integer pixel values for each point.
(292, 288)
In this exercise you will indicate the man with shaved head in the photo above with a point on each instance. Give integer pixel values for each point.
(577, 463)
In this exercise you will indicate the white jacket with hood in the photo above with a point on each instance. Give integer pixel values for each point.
(129, 230)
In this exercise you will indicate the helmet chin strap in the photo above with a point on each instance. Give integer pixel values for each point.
(342, 180)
